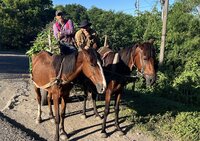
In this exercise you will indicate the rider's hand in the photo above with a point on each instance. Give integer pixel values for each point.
(87, 34)
(86, 47)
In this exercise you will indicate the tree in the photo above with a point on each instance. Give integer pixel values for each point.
(75, 12)
(22, 20)
(118, 27)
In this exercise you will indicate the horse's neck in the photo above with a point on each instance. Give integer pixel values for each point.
(76, 70)
(79, 62)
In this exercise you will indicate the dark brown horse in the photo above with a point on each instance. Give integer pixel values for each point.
(54, 74)
(117, 66)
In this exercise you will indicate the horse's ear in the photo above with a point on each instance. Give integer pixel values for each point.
(136, 45)
(151, 41)
(84, 50)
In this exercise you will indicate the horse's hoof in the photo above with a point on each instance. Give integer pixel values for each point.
(120, 133)
(104, 135)
(52, 120)
(38, 120)
(63, 137)
(83, 116)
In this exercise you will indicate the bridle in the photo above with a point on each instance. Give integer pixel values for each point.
(141, 72)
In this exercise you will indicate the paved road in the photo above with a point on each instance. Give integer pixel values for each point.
(12, 65)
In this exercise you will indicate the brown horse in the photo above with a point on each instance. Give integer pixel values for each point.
(117, 67)
(54, 74)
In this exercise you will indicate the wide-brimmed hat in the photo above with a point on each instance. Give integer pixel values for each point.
(59, 13)
(84, 23)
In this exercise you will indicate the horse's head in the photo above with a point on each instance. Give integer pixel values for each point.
(143, 58)
(93, 70)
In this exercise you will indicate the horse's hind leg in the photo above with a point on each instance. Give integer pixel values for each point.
(38, 119)
(63, 134)
(117, 100)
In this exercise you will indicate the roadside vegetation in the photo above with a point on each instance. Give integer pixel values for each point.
(168, 110)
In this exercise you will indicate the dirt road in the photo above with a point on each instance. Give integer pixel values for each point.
(17, 102)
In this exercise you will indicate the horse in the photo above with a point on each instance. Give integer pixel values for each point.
(54, 73)
(117, 69)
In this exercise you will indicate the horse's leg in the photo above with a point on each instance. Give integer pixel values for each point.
(63, 134)
(106, 112)
(38, 119)
(50, 107)
(83, 116)
(94, 106)
(117, 101)
(57, 117)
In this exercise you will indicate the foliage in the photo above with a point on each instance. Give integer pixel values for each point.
(161, 118)
(117, 26)
(22, 20)
(187, 126)
(42, 43)
(76, 12)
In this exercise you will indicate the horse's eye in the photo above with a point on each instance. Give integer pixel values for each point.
(145, 58)
(93, 65)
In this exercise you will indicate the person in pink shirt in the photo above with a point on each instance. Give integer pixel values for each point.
(64, 32)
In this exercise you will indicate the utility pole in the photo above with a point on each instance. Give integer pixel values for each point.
(164, 29)
(137, 4)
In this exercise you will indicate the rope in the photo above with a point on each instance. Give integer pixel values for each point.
(51, 83)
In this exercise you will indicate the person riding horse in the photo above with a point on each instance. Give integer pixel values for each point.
(64, 32)
(86, 37)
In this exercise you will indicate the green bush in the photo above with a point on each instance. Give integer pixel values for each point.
(42, 43)
(187, 126)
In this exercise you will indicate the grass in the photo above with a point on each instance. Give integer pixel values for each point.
(160, 118)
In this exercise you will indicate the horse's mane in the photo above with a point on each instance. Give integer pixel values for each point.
(68, 62)
(126, 52)
(150, 50)
(93, 55)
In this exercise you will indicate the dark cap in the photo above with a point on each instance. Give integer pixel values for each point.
(84, 23)
(59, 13)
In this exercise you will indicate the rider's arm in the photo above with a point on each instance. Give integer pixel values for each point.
(80, 41)
(55, 32)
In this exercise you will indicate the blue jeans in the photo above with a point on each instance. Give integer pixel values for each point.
(66, 48)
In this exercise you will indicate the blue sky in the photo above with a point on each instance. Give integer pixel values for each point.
(127, 6)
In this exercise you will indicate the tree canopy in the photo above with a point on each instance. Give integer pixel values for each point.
(22, 20)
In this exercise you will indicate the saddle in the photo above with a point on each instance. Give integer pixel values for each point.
(104, 51)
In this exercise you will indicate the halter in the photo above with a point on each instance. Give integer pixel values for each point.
(141, 73)
(143, 63)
